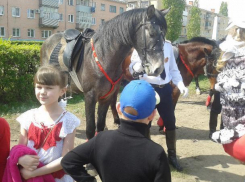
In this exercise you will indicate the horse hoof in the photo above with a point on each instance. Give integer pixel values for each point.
(198, 92)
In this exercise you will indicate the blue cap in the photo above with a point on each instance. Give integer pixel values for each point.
(139, 95)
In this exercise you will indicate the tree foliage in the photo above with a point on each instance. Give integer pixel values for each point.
(194, 24)
(174, 18)
(223, 9)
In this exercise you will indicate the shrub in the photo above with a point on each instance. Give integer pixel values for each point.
(18, 64)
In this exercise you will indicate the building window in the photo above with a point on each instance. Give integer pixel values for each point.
(93, 21)
(121, 10)
(94, 4)
(113, 9)
(70, 18)
(60, 1)
(61, 17)
(31, 13)
(16, 12)
(1, 10)
(2, 32)
(46, 33)
(102, 8)
(70, 2)
(102, 21)
(31, 33)
(16, 32)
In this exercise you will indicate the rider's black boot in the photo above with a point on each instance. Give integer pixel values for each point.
(171, 144)
(212, 123)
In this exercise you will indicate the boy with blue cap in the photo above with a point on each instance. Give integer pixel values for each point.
(125, 154)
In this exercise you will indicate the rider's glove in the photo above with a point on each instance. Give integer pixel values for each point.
(183, 90)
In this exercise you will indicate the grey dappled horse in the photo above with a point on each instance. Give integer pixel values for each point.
(144, 29)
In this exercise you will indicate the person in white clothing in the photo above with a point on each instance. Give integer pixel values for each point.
(162, 86)
(49, 130)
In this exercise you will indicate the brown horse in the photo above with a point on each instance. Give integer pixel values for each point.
(96, 69)
(192, 56)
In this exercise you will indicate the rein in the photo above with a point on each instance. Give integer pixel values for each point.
(144, 49)
(187, 67)
(103, 71)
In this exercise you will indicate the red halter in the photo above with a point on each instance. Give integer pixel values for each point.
(187, 67)
(103, 71)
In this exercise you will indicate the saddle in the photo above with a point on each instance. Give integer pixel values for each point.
(75, 43)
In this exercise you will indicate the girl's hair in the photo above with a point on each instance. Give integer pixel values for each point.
(50, 75)
(237, 34)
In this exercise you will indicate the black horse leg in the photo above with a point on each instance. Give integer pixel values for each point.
(102, 111)
(113, 108)
(90, 115)
(198, 92)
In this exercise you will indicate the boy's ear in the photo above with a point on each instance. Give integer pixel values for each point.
(118, 108)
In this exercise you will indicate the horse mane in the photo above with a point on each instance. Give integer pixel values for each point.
(203, 40)
(122, 27)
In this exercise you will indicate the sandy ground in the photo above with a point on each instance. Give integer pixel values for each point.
(202, 159)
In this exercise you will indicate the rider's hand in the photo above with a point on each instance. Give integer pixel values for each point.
(183, 90)
(29, 162)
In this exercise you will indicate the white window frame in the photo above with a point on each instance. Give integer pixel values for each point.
(1, 10)
(30, 32)
(2, 34)
(71, 20)
(61, 17)
(14, 14)
(49, 33)
(121, 8)
(60, 1)
(29, 13)
(70, 2)
(102, 7)
(94, 4)
(112, 8)
(15, 32)
(102, 21)
(93, 22)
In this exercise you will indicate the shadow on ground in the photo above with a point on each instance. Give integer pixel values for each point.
(202, 165)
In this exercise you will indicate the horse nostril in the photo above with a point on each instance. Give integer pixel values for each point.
(157, 71)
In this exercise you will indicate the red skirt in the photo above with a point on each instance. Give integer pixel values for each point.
(236, 149)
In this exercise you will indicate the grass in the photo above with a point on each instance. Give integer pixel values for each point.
(76, 104)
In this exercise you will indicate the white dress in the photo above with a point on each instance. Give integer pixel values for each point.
(37, 130)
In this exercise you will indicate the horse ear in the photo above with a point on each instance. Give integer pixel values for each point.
(165, 11)
(150, 11)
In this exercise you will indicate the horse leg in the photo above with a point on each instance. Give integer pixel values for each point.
(102, 111)
(90, 103)
(198, 92)
(113, 108)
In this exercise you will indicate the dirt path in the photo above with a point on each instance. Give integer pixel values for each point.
(202, 159)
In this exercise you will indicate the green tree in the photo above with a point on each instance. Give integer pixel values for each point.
(193, 27)
(223, 9)
(174, 18)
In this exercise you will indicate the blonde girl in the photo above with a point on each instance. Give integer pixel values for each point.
(49, 130)
(231, 85)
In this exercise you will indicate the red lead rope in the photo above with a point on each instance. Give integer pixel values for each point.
(103, 71)
(187, 67)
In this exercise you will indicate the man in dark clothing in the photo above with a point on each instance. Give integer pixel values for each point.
(125, 154)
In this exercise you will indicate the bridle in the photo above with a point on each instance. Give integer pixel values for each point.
(145, 49)
(212, 64)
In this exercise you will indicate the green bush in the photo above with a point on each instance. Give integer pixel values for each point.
(27, 42)
(18, 64)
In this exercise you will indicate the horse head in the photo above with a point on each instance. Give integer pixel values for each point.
(149, 39)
